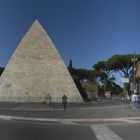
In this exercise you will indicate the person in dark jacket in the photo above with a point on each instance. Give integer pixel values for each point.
(64, 101)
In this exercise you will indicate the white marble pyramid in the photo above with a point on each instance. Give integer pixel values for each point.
(37, 71)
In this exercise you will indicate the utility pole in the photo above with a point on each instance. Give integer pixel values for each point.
(134, 60)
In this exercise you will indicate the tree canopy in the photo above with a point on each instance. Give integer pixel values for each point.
(104, 74)
(1, 70)
(122, 64)
(103, 71)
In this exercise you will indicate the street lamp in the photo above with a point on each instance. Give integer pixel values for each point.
(134, 60)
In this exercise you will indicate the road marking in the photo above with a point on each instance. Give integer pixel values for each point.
(102, 132)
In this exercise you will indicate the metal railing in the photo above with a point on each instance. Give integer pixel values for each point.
(36, 99)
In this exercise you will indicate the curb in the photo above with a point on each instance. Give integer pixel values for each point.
(9, 118)
(71, 121)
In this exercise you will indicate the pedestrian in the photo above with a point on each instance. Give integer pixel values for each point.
(64, 101)
(134, 100)
(49, 100)
(125, 97)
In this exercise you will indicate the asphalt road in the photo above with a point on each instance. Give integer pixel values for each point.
(123, 123)
(19, 130)
(12, 130)
(127, 131)
(104, 111)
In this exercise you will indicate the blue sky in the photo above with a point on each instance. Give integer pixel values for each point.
(86, 31)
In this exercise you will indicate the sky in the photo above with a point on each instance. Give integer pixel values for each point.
(86, 31)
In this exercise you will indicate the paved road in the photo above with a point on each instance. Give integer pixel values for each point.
(12, 130)
(115, 122)
(127, 131)
(19, 130)
(104, 109)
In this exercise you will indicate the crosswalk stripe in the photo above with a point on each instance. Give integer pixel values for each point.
(102, 132)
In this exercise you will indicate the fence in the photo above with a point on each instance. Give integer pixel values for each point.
(37, 99)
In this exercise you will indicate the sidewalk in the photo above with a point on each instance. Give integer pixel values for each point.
(90, 112)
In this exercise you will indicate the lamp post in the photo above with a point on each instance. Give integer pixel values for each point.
(134, 59)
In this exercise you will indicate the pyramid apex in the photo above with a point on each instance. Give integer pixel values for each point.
(36, 26)
(36, 22)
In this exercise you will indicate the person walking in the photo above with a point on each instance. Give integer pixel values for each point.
(134, 101)
(64, 101)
